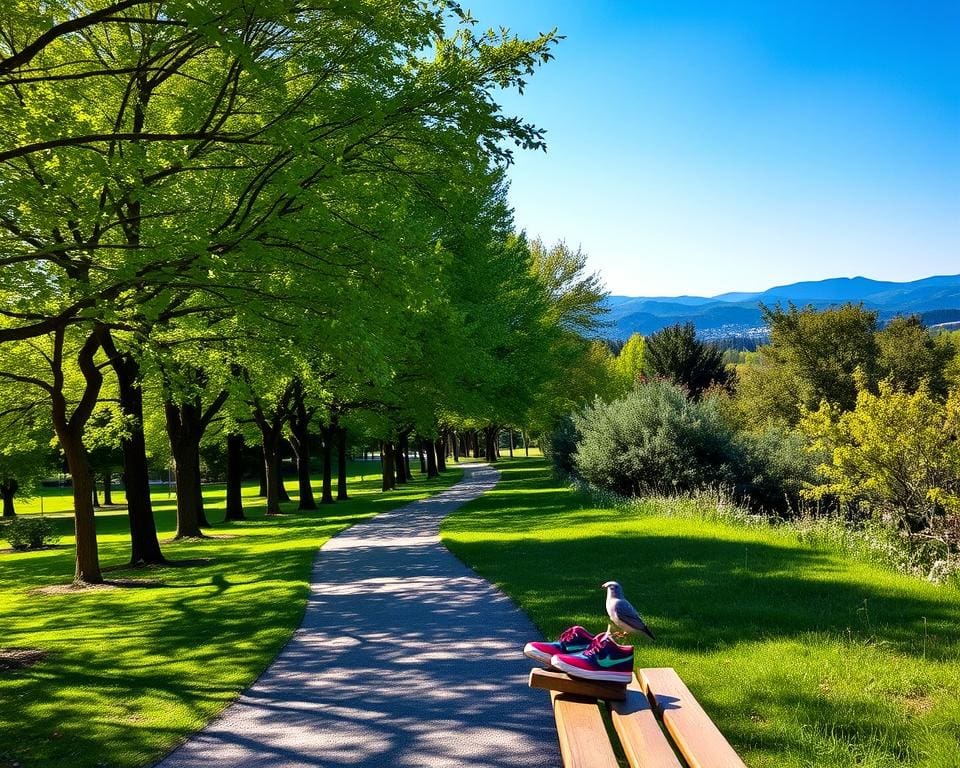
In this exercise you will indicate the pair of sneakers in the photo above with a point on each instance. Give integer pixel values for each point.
(582, 654)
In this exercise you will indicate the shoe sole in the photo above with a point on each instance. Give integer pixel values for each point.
(589, 674)
(532, 653)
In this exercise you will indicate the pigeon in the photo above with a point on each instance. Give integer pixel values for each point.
(622, 614)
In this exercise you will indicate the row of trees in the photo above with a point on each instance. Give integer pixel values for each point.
(279, 218)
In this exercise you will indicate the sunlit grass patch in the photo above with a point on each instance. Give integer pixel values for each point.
(128, 672)
(804, 656)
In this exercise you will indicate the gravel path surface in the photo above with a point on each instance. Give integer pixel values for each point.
(405, 658)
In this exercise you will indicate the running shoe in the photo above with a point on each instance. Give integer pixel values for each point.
(572, 640)
(603, 660)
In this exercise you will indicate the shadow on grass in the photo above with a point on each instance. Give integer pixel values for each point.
(130, 671)
(735, 607)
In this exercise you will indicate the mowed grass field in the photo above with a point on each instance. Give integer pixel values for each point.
(130, 671)
(803, 657)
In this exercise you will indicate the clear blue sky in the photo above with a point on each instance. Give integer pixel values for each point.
(703, 147)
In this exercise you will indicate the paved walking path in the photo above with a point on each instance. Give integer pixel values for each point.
(405, 658)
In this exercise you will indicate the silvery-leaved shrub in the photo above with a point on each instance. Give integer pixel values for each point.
(655, 440)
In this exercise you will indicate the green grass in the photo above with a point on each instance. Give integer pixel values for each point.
(131, 671)
(802, 656)
(53, 500)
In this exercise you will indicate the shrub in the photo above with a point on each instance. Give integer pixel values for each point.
(561, 447)
(777, 467)
(29, 532)
(896, 455)
(654, 439)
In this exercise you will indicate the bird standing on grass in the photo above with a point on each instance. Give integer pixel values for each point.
(622, 614)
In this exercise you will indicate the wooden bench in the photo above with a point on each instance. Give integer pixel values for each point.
(657, 721)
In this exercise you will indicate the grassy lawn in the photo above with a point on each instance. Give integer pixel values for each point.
(131, 671)
(803, 657)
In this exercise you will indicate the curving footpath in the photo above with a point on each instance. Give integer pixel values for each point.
(405, 658)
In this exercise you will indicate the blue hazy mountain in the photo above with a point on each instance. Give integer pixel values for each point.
(737, 314)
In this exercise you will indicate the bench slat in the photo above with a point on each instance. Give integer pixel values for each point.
(583, 738)
(644, 744)
(698, 739)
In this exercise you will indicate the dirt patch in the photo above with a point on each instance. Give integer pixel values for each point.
(205, 537)
(69, 589)
(188, 563)
(18, 658)
(917, 704)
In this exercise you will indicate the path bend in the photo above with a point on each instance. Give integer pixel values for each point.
(405, 657)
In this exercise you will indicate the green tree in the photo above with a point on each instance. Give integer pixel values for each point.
(630, 360)
(909, 355)
(823, 352)
(676, 354)
(208, 148)
(25, 458)
(577, 366)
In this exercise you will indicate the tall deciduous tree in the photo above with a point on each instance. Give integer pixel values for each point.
(824, 352)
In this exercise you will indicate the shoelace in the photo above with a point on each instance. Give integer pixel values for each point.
(595, 645)
(568, 634)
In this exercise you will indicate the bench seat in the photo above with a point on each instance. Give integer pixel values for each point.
(659, 724)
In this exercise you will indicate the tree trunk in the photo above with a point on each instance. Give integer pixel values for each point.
(8, 489)
(526, 444)
(95, 497)
(70, 429)
(423, 457)
(263, 480)
(327, 497)
(455, 447)
(144, 543)
(85, 529)
(300, 440)
(108, 488)
(300, 419)
(401, 459)
(430, 449)
(341, 464)
(271, 464)
(511, 442)
(386, 459)
(405, 454)
(271, 433)
(490, 442)
(234, 510)
(282, 493)
(184, 431)
(441, 446)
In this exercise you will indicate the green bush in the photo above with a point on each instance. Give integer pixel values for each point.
(655, 440)
(561, 448)
(29, 532)
(777, 465)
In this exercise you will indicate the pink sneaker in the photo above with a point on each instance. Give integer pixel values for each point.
(603, 660)
(572, 640)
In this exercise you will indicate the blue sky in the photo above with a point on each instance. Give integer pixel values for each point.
(703, 147)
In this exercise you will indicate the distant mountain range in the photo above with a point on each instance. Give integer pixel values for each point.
(737, 315)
